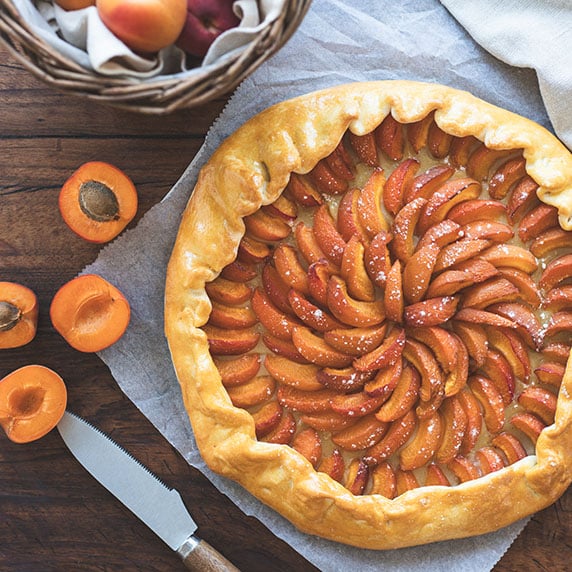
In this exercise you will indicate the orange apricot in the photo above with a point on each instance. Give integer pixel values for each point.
(18, 315)
(98, 201)
(33, 399)
(90, 313)
(74, 4)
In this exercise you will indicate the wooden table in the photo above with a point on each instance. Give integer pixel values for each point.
(53, 515)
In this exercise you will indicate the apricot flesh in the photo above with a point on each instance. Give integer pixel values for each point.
(33, 399)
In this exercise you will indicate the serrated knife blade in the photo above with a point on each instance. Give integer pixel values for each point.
(159, 507)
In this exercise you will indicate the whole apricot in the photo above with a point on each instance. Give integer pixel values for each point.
(145, 26)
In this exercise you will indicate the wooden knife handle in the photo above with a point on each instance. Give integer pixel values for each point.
(200, 556)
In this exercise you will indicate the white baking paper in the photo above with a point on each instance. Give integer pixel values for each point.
(339, 41)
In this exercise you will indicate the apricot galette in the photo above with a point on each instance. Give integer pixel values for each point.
(369, 309)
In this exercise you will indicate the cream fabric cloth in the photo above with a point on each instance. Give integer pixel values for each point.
(533, 34)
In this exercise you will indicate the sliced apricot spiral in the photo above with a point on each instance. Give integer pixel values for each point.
(416, 324)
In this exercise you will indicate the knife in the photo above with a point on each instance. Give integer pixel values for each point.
(159, 507)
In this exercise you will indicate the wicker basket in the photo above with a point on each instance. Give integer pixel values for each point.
(159, 95)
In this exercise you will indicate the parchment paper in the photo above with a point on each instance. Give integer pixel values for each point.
(339, 41)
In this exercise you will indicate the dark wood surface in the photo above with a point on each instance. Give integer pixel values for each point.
(53, 515)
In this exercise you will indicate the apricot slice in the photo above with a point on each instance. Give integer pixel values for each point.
(348, 220)
(327, 421)
(390, 138)
(350, 311)
(283, 207)
(425, 362)
(252, 250)
(555, 272)
(449, 282)
(18, 315)
(303, 191)
(475, 210)
(424, 444)
(90, 313)
(482, 160)
(385, 380)
(526, 286)
(356, 477)
(476, 316)
(539, 401)
(418, 132)
(386, 354)
(490, 292)
(489, 460)
(346, 379)
(529, 424)
(33, 399)
(235, 371)
(355, 341)
(327, 236)
(228, 292)
(275, 288)
(489, 230)
(307, 442)
(431, 312)
(417, 272)
(403, 398)
(309, 248)
(441, 234)
(98, 201)
(536, 221)
(425, 184)
(445, 198)
(460, 150)
(369, 204)
(254, 392)
(436, 477)
(438, 142)
(354, 272)
(266, 226)
(472, 409)
(510, 446)
(464, 469)
(397, 184)
(305, 401)
(397, 435)
(355, 405)
(230, 342)
(498, 370)
(459, 251)
(318, 276)
(288, 372)
(522, 198)
(277, 323)
(316, 350)
(454, 424)
(550, 241)
(506, 176)
(364, 147)
(310, 314)
(377, 259)
(239, 271)
(266, 418)
(393, 298)
(283, 348)
(523, 319)
(550, 373)
(326, 181)
(490, 400)
(405, 481)
(340, 163)
(404, 228)
(290, 269)
(224, 316)
(511, 346)
(333, 465)
(283, 432)
(383, 481)
(474, 338)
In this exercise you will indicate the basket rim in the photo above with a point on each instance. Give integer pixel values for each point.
(157, 94)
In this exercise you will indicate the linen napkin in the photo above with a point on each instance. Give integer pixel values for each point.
(338, 41)
(533, 34)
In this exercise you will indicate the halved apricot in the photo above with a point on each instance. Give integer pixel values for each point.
(18, 315)
(32, 401)
(90, 313)
(98, 201)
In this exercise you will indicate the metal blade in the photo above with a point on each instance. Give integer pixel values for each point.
(159, 507)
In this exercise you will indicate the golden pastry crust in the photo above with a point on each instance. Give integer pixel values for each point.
(251, 168)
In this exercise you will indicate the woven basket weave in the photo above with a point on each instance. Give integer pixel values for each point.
(159, 95)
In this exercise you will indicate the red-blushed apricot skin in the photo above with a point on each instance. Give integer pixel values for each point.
(144, 25)
(90, 313)
(33, 399)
